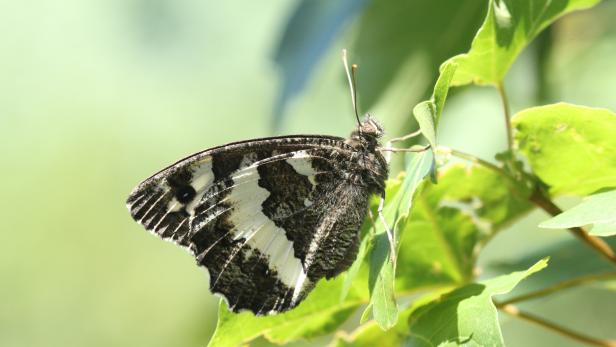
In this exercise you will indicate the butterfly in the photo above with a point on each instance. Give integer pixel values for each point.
(268, 217)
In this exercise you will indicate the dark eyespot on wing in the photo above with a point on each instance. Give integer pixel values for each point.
(185, 194)
(164, 202)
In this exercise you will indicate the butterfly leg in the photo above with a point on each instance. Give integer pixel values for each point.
(390, 233)
(372, 220)
(406, 137)
(412, 149)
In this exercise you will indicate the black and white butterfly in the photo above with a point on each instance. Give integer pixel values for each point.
(268, 217)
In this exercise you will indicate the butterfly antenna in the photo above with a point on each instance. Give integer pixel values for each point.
(352, 85)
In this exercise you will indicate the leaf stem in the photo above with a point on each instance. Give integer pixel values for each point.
(514, 311)
(541, 201)
(507, 112)
(558, 287)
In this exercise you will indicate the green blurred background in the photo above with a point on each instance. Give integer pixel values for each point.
(97, 95)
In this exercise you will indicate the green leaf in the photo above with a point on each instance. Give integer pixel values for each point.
(321, 313)
(425, 114)
(599, 210)
(466, 315)
(381, 277)
(450, 223)
(428, 113)
(400, 205)
(508, 28)
(441, 88)
(570, 148)
(384, 305)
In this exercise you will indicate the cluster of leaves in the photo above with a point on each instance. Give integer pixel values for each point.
(441, 228)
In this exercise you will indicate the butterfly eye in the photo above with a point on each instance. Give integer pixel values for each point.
(185, 194)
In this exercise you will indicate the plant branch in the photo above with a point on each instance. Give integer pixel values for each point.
(514, 311)
(558, 287)
(507, 112)
(541, 201)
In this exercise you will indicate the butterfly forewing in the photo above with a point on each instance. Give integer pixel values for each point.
(268, 218)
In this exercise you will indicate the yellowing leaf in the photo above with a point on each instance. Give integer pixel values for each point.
(570, 148)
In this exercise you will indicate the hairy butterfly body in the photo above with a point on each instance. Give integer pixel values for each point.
(268, 217)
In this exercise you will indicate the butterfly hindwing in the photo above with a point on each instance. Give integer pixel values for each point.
(267, 218)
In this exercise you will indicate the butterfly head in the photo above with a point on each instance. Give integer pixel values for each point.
(370, 127)
(367, 134)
